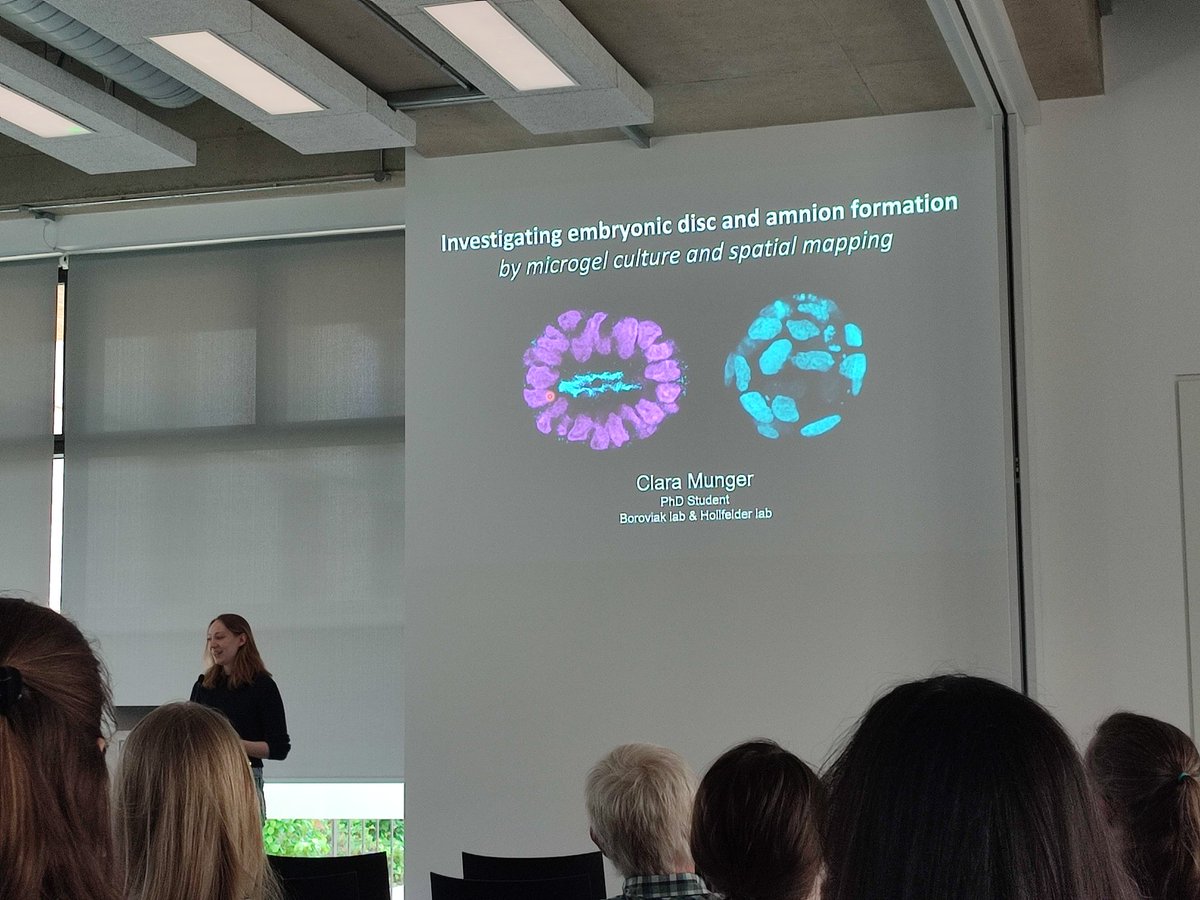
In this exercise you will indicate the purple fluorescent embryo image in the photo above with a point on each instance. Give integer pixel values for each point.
(603, 385)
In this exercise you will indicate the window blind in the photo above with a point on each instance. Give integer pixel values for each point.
(27, 320)
(234, 443)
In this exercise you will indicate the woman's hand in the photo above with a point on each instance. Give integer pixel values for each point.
(257, 749)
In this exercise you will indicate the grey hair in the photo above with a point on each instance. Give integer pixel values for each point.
(639, 802)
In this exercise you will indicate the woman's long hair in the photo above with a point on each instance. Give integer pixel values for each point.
(959, 788)
(247, 663)
(756, 824)
(1146, 772)
(55, 829)
(187, 819)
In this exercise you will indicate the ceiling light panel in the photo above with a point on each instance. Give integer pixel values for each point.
(226, 64)
(500, 44)
(66, 118)
(350, 117)
(604, 94)
(38, 120)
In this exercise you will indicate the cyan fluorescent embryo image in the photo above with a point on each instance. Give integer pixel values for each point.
(605, 386)
(796, 366)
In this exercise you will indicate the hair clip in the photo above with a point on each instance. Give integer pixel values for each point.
(11, 688)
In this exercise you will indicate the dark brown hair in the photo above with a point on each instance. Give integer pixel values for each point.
(55, 832)
(959, 788)
(1146, 772)
(247, 663)
(756, 824)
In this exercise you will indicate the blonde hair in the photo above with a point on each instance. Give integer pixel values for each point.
(639, 801)
(55, 828)
(187, 818)
(247, 662)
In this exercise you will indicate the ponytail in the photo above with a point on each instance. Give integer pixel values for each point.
(1146, 771)
(1182, 844)
(19, 867)
(55, 832)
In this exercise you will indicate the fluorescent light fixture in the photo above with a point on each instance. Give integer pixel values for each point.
(583, 87)
(500, 44)
(227, 65)
(35, 118)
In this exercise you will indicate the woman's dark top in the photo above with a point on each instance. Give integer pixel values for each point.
(255, 710)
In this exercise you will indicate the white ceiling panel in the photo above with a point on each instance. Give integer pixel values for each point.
(121, 139)
(607, 95)
(353, 118)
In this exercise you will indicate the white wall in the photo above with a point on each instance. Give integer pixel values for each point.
(1112, 195)
(1189, 460)
(521, 671)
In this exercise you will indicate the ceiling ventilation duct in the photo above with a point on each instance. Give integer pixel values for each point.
(59, 30)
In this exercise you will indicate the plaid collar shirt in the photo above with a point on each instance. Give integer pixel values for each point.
(683, 886)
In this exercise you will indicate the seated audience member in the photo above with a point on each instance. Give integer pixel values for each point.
(958, 788)
(55, 830)
(1146, 771)
(756, 827)
(186, 810)
(639, 801)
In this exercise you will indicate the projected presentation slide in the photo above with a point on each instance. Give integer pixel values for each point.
(762, 341)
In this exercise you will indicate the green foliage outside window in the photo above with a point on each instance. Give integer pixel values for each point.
(337, 837)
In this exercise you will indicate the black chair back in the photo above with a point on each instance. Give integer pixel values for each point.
(446, 888)
(535, 868)
(343, 886)
(371, 870)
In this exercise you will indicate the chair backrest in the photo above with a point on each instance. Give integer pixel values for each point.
(446, 888)
(341, 886)
(534, 868)
(371, 869)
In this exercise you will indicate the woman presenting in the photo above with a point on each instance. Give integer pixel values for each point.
(239, 685)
